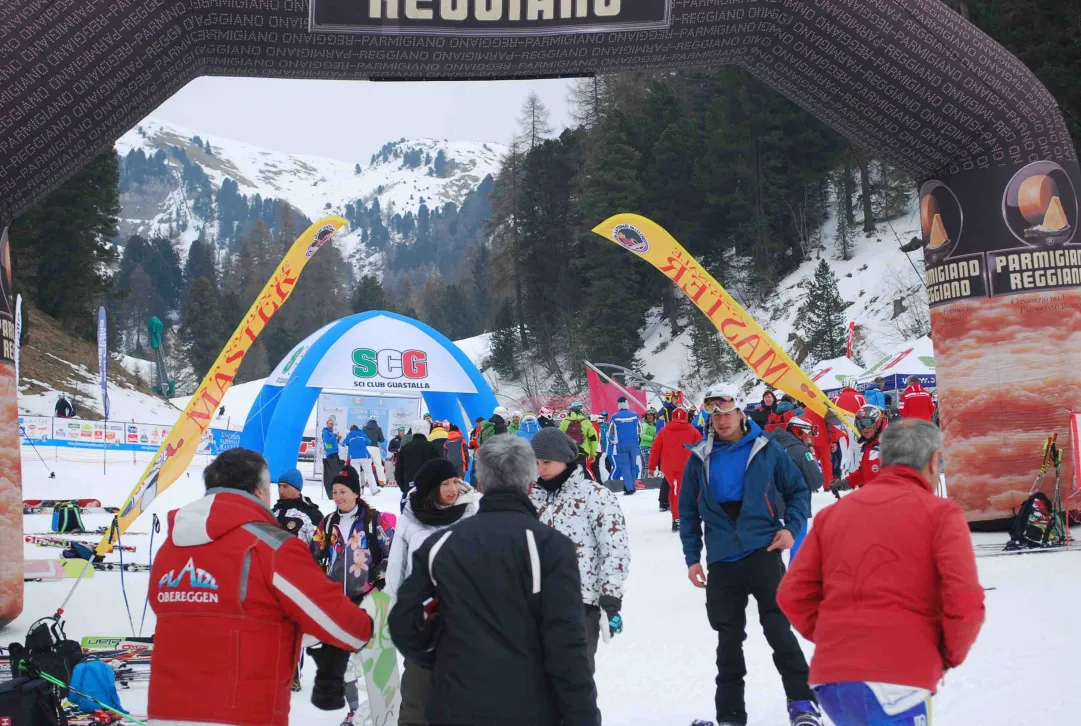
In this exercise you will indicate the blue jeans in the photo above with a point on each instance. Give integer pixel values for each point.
(853, 703)
(627, 467)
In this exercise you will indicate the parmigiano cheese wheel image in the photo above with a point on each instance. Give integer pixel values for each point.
(928, 212)
(938, 233)
(1056, 216)
(1034, 196)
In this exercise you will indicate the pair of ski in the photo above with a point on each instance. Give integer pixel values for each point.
(88, 506)
(96, 532)
(63, 542)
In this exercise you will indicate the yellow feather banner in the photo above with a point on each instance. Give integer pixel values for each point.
(176, 452)
(755, 347)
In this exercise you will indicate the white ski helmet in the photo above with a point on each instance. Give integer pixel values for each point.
(718, 392)
(502, 412)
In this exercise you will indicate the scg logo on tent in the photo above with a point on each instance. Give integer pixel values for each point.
(390, 364)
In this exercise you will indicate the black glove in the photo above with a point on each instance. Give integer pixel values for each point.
(328, 693)
(611, 607)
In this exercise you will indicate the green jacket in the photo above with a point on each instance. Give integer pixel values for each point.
(513, 428)
(646, 433)
(590, 446)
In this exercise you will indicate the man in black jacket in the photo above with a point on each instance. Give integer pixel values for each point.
(493, 606)
(299, 516)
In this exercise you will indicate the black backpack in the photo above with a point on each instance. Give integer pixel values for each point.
(30, 702)
(67, 517)
(1036, 524)
(47, 650)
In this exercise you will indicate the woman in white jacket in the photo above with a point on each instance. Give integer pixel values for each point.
(439, 498)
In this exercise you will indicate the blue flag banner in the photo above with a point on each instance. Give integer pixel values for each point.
(103, 359)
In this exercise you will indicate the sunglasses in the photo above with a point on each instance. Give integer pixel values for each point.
(721, 405)
(865, 423)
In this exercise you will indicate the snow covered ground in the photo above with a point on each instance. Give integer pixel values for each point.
(660, 670)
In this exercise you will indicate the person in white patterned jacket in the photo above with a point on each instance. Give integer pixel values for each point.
(589, 513)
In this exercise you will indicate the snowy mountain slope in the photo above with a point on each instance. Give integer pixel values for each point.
(314, 185)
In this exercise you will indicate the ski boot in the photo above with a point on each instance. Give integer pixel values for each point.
(804, 713)
(664, 507)
(675, 525)
(348, 721)
(296, 684)
(628, 492)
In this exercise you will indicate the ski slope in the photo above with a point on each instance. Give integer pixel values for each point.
(660, 671)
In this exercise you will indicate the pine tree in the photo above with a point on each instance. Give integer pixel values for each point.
(61, 244)
(202, 329)
(200, 262)
(821, 317)
(504, 346)
(439, 166)
(368, 295)
(356, 169)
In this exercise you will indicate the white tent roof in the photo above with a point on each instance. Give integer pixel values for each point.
(829, 374)
(912, 358)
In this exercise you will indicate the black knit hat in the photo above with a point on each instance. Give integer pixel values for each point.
(432, 474)
(551, 444)
(348, 477)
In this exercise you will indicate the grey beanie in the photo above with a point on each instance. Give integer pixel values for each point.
(551, 444)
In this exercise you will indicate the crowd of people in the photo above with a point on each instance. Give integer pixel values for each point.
(508, 560)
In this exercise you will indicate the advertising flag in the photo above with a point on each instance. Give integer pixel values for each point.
(103, 359)
(755, 347)
(851, 336)
(176, 452)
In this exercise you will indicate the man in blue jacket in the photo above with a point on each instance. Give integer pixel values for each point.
(736, 482)
(357, 446)
(623, 438)
(332, 462)
(873, 393)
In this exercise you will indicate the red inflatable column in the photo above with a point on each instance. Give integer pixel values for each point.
(11, 496)
(1003, 262)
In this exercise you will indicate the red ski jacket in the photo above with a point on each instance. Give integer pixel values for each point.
(825, 436)
(669, 452)
(886, 586)
(233, 592)
(850, 400)
(916, 402)
(870, 464)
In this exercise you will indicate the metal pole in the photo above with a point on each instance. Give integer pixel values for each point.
(625, 392)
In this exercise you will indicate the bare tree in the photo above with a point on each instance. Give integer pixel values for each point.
(587, 98)
(533, 124)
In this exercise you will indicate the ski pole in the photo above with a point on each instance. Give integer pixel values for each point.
(154, 527)
(52, 474)
(123, 587)
(61, 684)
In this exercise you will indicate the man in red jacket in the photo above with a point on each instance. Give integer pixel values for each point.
(233, 592)
(916, 401)
(886, 588)
(670, 453)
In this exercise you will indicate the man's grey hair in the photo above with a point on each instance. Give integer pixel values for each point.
(506, 463)
(910, 443)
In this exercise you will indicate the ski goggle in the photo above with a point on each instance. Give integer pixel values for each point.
(865, 423)
(721, 405)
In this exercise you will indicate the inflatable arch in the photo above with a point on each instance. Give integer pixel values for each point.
(909, 81)
(373, 353)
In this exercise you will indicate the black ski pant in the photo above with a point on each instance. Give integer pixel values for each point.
(593, 637)
(727, 589)
(665, 489)
(331, 466)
